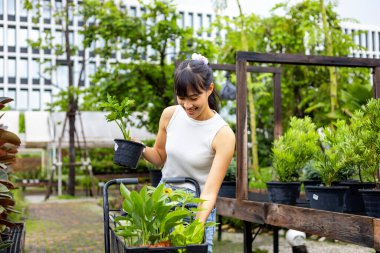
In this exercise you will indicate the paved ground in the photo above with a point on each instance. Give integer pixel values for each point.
(65, 226)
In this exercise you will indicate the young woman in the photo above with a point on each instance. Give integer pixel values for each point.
(193, 140)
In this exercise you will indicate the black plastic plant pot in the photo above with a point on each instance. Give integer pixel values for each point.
(127, 153)
(327, 198)
(228, 189)
(354, 200)
(155, 177)
(118, 246)
(371, 199)
(284, 192)
(310, 183)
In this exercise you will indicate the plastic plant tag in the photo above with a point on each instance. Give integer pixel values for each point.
(116, 146)
(315, 196)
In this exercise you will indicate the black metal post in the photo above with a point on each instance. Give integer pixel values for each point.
(247, 237)
(275, 240)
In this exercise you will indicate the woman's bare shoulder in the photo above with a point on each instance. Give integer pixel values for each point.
(167, 113)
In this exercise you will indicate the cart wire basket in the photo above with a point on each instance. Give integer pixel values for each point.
(115, 244)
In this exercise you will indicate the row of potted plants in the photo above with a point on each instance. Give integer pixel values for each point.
(344, 155)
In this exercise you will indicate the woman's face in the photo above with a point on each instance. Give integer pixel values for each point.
(196, 104)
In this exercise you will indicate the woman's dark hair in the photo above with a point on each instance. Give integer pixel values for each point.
(197, 76)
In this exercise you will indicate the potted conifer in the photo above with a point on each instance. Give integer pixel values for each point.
(330, 165)
(127, 152)
(364, 153)
(290, 153)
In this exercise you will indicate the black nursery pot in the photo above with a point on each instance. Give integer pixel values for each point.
(155, 177)
(327, 198)
(371, 199)
(354, 200)
(228, 189)
(127, 153)
(284, 192)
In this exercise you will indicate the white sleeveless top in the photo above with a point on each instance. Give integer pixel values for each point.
(189, 146)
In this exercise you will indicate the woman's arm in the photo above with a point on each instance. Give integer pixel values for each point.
(224, 146)
(157, 154)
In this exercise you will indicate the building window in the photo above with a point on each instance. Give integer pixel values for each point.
(181, 20)
(62, 76)
(47, 12)
(46, 98)
(373, 41)
(209, 21)
(1, 9)
(35, 71)
(90, 71)
(35, 100)
(11, 37)
(23, 13)
(200, 24)
(22, 101)
(1, 70)
(11, 8)
(1, 38)
(23, 70)
(133, 11)
(46, 70)
(58, 7)
(366, 40)
(191, 20)
(11, 64)
(12, 94)
(22, 39)
(378, 40)
(35, 34)
(1, 92)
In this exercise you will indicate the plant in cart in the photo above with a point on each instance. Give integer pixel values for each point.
(159, 217)
(127, 152)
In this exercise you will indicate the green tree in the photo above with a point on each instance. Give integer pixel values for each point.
(64, 51)
(310, 90)
(145, 72)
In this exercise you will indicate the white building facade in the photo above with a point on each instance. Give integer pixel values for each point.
(21, 73)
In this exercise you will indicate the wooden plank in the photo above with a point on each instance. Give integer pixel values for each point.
(277, 105)
(360, 230)
(344, 227)
(232, 67)
(241, 130)
(300, 59)
(376, 234)
(242, 209)
(376, 82)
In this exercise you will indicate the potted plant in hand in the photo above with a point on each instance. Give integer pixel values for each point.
(127, 152)
(290, 153)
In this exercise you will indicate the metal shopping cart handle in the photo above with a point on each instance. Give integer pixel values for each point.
(106, 206)
(181, 180)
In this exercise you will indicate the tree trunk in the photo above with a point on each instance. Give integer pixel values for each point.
(72, 108)
(251, 102)
(329, 51)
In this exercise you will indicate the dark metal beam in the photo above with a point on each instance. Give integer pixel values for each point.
(298, 59)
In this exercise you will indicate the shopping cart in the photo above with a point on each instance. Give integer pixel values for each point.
(115, 244)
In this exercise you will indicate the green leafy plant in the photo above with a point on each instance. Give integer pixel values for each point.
(362, 149)
(119, 112)
(329, 161)
(153, 213)
(294, 149)
(9, 142)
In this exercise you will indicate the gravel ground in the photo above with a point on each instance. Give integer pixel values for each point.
(232, 242)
